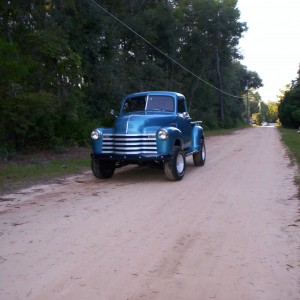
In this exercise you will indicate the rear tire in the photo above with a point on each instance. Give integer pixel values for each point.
(175, 167)
(102, 169)
(200, 156)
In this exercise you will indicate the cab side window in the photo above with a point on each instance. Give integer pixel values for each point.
(180, 106)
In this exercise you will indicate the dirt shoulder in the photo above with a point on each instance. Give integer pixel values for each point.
(228, 230)
(43, 156)
(24, 170)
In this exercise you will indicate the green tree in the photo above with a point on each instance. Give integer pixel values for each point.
(257, 118)
(65, 63)
(254, 101)
(264, 111)
(45, 75)
(15, 68)
(211, 30)
(289, 105)
(272, 114)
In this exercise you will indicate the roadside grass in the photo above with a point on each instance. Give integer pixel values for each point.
(27, 170)
(291, 139)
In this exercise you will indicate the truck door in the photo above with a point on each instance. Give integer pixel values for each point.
(184, 122)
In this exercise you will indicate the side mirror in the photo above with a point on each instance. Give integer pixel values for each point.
(186, 115)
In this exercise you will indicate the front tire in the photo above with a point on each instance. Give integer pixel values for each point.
(175, 167)
(200, 156)
(102, 169)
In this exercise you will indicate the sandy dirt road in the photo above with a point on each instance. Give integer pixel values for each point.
(228, 230)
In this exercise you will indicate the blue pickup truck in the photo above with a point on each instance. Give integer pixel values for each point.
(151, 128)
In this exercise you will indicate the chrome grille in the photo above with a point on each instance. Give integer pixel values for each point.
(129, 144)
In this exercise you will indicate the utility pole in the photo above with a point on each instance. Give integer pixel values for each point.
(247, 104)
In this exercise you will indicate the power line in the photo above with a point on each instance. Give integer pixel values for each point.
(161, 52)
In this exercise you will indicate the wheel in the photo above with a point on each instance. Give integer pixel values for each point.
(175, 167)
(102, 169)
(200, 156)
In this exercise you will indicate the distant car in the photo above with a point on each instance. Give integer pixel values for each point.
(264, 124)
(151, 128)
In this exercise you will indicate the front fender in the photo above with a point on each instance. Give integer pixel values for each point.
(97, 145)
(165, 147)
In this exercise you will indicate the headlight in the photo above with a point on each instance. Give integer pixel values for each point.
(162, 134)
(95, 134)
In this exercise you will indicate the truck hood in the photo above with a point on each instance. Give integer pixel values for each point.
(143, 122)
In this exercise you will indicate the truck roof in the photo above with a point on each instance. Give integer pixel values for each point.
(161, 93)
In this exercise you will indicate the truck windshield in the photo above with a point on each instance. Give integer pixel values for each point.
(164, 103)
(134, 104)
(160, 103)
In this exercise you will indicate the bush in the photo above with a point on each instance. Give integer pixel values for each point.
(7, 152)
(257, 118)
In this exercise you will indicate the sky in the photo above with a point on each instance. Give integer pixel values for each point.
(271, 46)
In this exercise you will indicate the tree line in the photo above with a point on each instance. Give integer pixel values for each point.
(65, 63)
(289, 105)
(261, 111)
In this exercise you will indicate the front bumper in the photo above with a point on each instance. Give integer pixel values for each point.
(131, 158)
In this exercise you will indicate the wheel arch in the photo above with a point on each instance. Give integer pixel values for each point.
(178, 142)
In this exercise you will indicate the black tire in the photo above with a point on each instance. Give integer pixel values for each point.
(175, 167)
(200, 156)
(102, 169)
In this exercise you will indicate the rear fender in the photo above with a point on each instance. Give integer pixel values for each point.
(197, 137)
